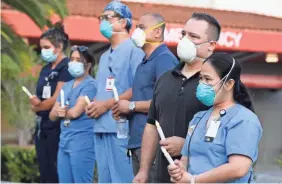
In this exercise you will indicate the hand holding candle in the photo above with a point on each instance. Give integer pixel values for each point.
(161, 133)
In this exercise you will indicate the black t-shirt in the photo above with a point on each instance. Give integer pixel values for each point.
(174, 104)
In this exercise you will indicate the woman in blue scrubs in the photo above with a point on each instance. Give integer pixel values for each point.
(221, 143)
(76, 156)
(52, 77)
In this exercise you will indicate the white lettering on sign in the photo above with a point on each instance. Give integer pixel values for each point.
(230, 39)
(226, 39)
(173, 34)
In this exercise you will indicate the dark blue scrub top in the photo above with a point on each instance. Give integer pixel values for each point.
(60, 73)
(147, 73)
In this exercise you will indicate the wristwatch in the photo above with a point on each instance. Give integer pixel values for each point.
(131, 106)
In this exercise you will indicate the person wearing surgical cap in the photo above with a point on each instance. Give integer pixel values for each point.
(117, 68)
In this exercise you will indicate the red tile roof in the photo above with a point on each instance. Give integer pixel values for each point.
(180, 14)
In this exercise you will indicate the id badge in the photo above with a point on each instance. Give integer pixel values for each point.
(212, 131)
(110, 83)
(46, 92)
(66, 122)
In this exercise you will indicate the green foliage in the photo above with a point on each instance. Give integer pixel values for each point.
(15, 104)
(40, 10)
(18, 58)
(279, 161)
(19, 165)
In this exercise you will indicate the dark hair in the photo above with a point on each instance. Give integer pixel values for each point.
(57, 35)
(214, 26)
(222, 63)
(128, 25)
(159, 20)
(85, 55)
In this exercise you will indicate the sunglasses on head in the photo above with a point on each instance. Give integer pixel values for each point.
(81, 48)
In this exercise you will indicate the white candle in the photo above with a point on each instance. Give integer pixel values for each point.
(115, 94)
(159, 128)
(161, 133)
(87, 100)
(167, 156)
(27, 92)
(62, 98)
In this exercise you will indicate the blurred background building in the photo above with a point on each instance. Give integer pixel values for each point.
(252, 33)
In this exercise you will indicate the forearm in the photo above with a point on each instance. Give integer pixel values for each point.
(73, 113)
(124, 96)
(221, 174)
(142, 106)
(47, 104)
(149, 146)
(52, 115)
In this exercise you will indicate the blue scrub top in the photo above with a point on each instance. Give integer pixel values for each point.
(239, 133)
(147, 74)
(120, 63)
(79, 134)
(59, 74)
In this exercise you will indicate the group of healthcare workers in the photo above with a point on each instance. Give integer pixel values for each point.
(203, 108)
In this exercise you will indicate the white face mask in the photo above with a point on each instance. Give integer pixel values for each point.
(187, 50)
(139, 37)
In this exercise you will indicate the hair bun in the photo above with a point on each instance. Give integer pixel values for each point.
(59, 26)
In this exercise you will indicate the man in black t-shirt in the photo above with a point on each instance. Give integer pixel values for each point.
(174, 101)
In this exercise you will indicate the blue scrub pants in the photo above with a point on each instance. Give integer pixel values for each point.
(76, 167)
(114, 166)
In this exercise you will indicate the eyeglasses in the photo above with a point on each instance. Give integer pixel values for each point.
(81, 48)
(108, 16)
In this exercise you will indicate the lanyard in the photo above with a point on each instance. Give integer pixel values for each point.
(189, 143)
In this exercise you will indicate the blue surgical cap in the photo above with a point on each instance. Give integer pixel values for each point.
(122, 10)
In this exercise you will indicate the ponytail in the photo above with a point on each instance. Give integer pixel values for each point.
(242, 96)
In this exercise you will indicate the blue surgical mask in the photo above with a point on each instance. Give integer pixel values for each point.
(106, 29)
(76, 69)
(206, 93)
(48, 55)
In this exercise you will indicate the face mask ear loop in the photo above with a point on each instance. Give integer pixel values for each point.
(226, 76)
(114, 32)
(158, 25)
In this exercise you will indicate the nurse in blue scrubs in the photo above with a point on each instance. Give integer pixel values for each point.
(76, 156)
(117, 67)
(222, 143)
(53, 75)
